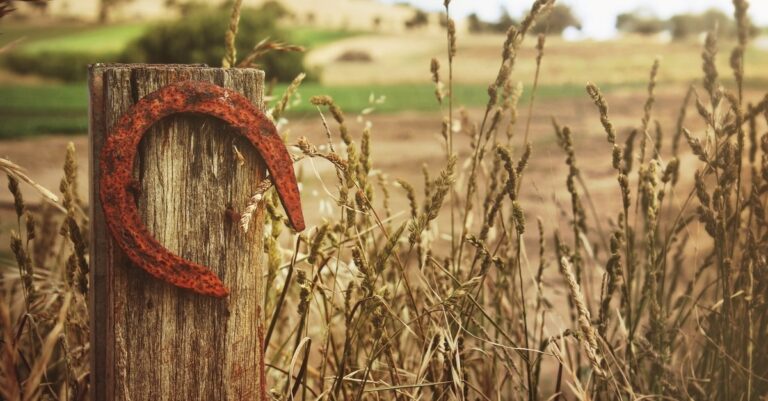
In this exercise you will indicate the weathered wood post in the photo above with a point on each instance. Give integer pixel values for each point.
(151, 340)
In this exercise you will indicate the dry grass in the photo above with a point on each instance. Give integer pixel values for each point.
(660, 297)
(43, 308)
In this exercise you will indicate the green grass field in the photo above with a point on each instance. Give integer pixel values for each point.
(106, 39)
(114, 38)
(73, 38)
(63, 108)
(27, 110)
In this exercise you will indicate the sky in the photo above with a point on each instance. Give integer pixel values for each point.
(598, 17)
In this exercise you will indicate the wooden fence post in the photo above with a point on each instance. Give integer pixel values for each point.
(150, 340)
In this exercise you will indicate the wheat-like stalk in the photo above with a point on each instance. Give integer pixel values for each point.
(230, 53)
(588, 333)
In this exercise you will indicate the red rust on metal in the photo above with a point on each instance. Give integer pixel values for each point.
(117, 159)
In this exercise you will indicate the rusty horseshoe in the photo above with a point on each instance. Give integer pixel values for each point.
(119, 152)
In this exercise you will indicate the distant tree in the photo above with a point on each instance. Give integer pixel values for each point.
(276, 9)
(643, 24)
(477, 25)
(105, 9)
(418, 20)
(556, 21)
(197, 38)
(504, 22)
(376, 23)
(685, 25)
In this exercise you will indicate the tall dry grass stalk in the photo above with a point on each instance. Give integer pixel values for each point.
(43, 295)
(230, 50)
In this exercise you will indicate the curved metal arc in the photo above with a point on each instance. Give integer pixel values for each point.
(119, 152)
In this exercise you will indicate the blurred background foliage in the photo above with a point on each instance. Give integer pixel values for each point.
(557, 20)
(196, 37)
(681, 26)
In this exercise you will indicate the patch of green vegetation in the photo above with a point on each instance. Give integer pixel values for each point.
(39, 99)
(63, 51)
(31, 110)
(69, 38)
(34, 110)
(30, 33)
(114, 38)
(32, 125)
(98, 39)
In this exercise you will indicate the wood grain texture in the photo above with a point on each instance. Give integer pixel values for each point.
(152, 341)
